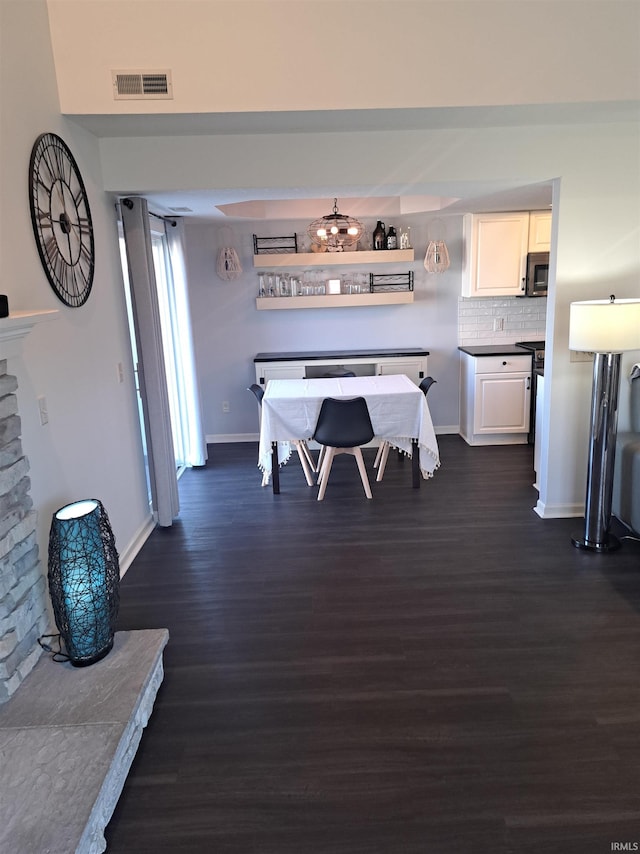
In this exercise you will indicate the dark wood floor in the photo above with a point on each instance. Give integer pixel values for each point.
(433, 672)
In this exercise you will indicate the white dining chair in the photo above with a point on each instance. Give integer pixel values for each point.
(306, 460)
(380, 461)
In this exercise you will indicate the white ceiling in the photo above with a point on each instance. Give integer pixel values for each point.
(311, 202)
(307, 204)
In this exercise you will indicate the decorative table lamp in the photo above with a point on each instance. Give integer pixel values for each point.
(84, 578)
(607, 328)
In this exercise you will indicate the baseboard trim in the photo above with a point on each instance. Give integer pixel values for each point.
(558, 511)
(219, 438)
(128, 555)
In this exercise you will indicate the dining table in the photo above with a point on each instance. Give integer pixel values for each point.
(398, 409)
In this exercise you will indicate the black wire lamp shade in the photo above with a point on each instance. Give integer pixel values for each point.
(335, 231)
(84, 580)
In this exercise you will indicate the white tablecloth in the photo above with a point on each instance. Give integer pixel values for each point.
(398, 409)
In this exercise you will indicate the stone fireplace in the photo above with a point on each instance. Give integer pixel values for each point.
(68, 734)
(23, 590)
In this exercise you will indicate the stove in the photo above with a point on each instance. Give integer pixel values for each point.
(536, 348)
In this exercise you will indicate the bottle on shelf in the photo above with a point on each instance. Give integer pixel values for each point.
(379, 236)
(392, 238)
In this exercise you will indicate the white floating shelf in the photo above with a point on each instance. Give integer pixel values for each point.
(333, 300)
(331, 259)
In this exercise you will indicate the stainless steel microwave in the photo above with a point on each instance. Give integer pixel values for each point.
(537, 280)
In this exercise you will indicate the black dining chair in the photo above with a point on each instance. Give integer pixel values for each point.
(343, 426)
(380, 461)
(306, 460)
(338, 374)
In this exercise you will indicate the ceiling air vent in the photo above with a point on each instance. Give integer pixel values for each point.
(141, 85)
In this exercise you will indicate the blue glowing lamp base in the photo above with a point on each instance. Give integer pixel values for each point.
(84, 578)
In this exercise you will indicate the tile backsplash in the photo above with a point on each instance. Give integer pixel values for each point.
(502, 320)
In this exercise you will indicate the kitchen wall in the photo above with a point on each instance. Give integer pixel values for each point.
(501, 321)
(229, 331)
(438, 320)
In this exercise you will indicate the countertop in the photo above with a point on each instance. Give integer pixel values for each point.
(310, 355)
(495, 350)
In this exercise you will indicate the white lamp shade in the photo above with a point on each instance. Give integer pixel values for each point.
(605, 326)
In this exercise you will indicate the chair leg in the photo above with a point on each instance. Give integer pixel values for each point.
(304, 464)
(323, 450)
(321, 468)
(357, 452)
(307, 453)
(383, 461)
(324, 473)
(381, 448)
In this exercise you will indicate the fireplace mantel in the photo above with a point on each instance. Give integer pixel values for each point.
(19, 324)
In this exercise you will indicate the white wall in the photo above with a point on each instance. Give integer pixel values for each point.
(254, 56)
(596, 220)
(237, 55)
(91, 445)
(229, 331)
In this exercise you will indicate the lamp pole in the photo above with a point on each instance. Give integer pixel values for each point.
(607, 328)
(602, 448)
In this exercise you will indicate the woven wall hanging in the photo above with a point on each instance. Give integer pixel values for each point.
(228, 266)
(436, 259)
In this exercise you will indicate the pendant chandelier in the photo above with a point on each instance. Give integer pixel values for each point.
(336, 231)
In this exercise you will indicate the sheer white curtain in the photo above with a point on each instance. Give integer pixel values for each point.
(195, 446)
(151, 371)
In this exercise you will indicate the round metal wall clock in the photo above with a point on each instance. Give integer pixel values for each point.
(61, 219)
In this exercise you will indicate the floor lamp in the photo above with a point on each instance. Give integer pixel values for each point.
(606, 328)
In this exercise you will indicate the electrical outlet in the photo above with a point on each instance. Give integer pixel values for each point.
(225, 405)
(498, 324)
(42, 406)
(580, 356)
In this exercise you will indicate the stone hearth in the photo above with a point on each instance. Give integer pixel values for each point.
(67, 740)
(68, 735)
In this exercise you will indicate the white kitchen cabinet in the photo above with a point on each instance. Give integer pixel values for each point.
(281, 366)
(540, 231)
(495, 254)
(415, 369)
(495, 399)
(279, 371)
